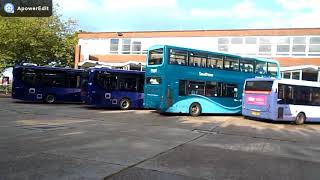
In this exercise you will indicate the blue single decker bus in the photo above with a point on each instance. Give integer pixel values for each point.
(183, 80)
(47, 84)
(113, 88)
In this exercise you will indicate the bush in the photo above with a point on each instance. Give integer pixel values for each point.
(5, 89)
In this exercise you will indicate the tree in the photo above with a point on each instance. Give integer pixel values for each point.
(39, 40)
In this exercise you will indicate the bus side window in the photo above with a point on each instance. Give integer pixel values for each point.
(246, 65)
(229, 90)
(261, 68)
(272, 69)
(289, 94)
(281, 94)
(197, 60)
(215, 61)
(212, 89)
(231, 63)
(178, 57)
(315, 99)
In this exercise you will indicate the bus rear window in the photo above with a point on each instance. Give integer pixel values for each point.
(258, 86)
(153, 80)
(155, 57)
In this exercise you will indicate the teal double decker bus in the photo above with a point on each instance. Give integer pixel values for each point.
(183, 80)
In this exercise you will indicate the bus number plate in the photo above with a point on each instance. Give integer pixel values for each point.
(255, 113)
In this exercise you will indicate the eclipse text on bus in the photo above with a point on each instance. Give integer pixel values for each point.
(33, 8)
(205, 74)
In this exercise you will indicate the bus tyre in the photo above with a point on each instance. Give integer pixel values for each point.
(125, 104)
(50, 99)
(195, 109)
(300, 119)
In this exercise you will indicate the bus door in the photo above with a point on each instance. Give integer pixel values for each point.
(73, 86)
(285, 99)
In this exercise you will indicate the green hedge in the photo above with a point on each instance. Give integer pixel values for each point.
(5, 89)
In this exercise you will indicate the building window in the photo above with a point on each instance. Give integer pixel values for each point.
(114, 46)
(283, 46)
(126, 44)
(223, 41)
(236, 45)
(265, 49)
(299, 46)
(223, 44)
(237, 40)
(250, 47)
(251, 40)
(314, 47)
(298, 49)
(314, 40)
(136, 47)
(299, 40)
(265, 40)
(223, 48)
(265, 46)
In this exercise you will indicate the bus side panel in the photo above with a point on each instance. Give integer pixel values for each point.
(135, 98)
(311, 112)
(103, 98)
(207, 105)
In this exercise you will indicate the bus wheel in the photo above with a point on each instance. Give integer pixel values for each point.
(300, 119)
(125, 104)
(50, 99)
(195, 109)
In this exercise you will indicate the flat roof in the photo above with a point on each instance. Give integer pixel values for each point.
(202, 33)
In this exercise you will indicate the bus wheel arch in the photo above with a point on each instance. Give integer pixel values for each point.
(301, 118)
(50, 98)
(125, 104)
(195, 109)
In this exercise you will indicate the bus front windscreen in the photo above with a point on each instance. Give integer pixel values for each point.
(258, 86)
(155, 56)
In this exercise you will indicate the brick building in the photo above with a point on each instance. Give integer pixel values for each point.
(297, 49)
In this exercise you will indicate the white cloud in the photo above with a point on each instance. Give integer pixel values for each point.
(294, 14)
(300, 18)
(70, 6)
(102, 6)
(139, 4)
(243, 10)
(299, 4)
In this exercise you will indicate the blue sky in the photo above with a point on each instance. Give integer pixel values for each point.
(139, 15)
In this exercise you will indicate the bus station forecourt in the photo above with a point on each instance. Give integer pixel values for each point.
(98, 141)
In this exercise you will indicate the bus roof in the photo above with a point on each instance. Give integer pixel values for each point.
(288, 81)
(48, 68)
(117, 70)
(219, 53)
